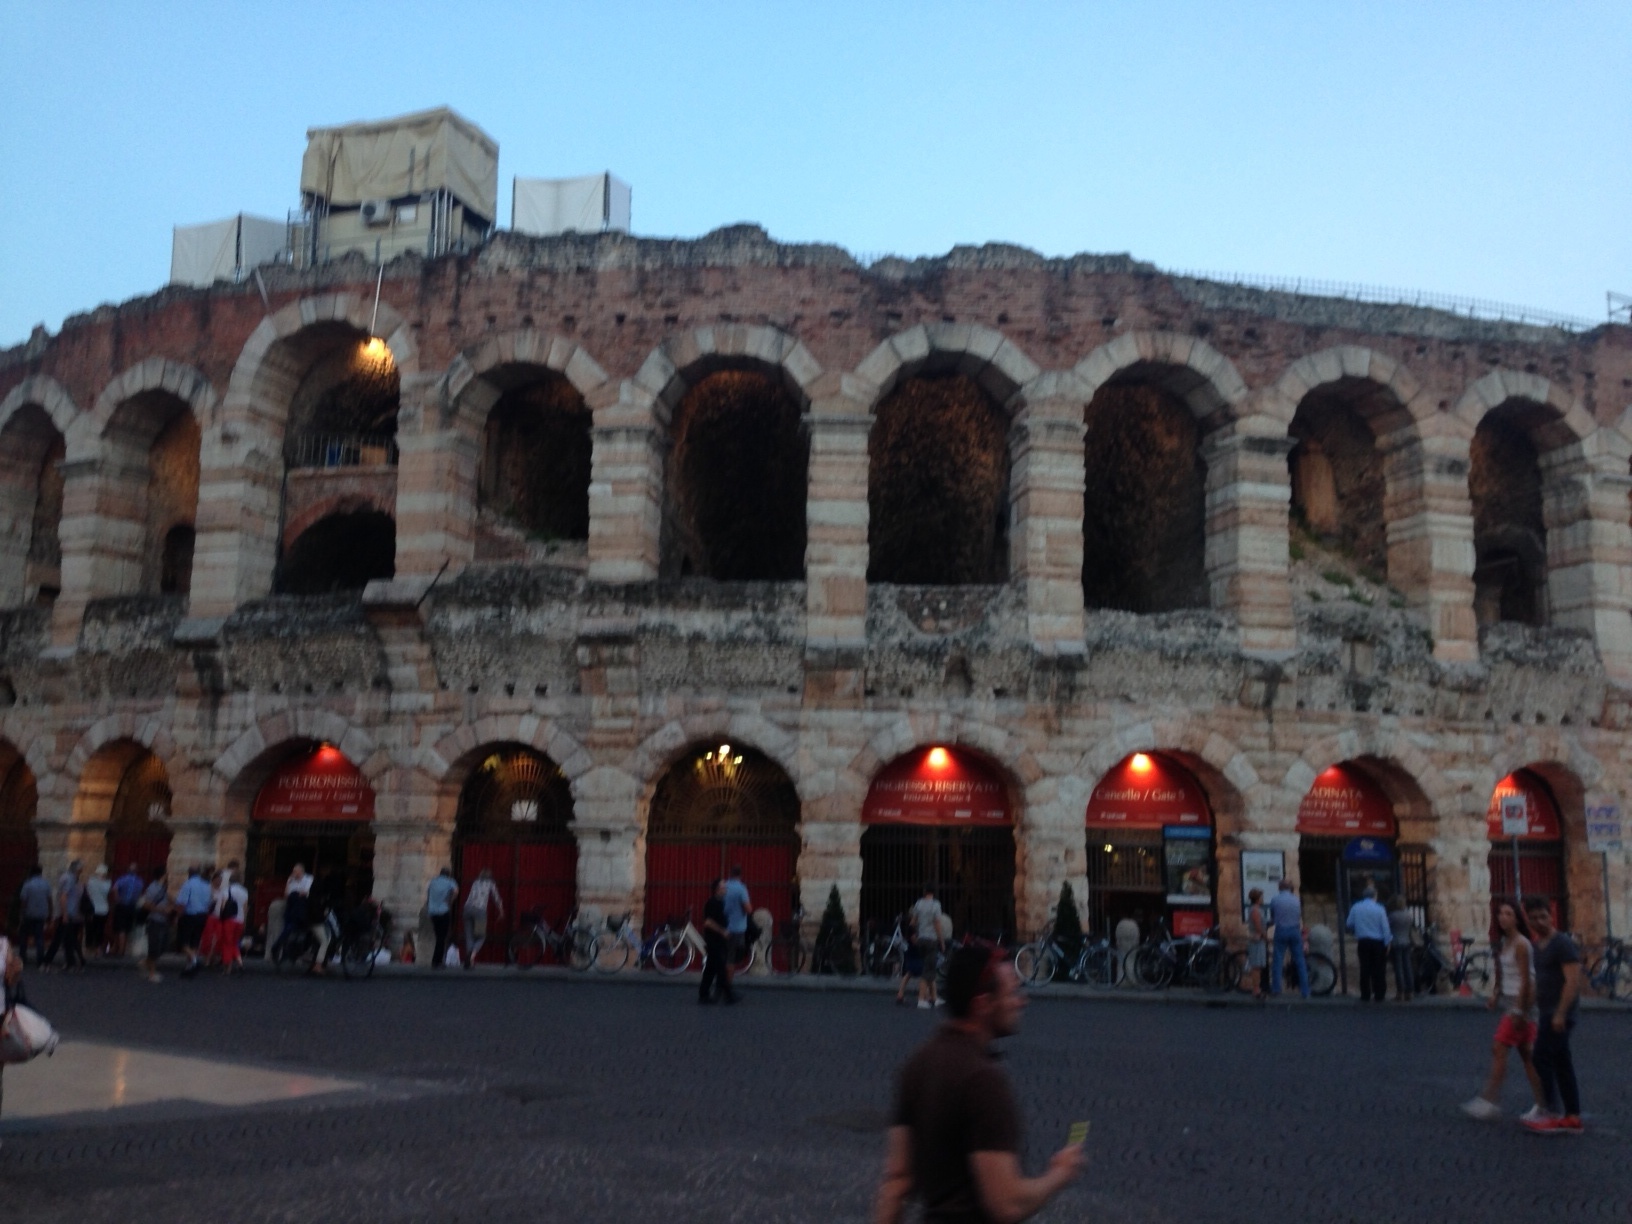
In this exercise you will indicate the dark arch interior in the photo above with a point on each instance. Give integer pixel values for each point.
(31, 489)
(1144, 521)
(536, 460)
(176, 560)
(938, 485)
(1337, 473)
(736, 480)
(515, 794)
(346, 402)
(172, 504)
(343, 552)
(1509, 534)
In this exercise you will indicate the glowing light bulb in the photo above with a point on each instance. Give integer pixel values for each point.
(1140, 762)
(939, 758)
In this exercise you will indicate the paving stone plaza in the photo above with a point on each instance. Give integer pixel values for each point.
(490, 1098)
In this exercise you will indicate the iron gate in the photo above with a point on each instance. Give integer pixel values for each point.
(972, 871)
(717, 808)
(1541, 874)
(1125, 879)
(515, 820)
(337, 854)
(138, 831)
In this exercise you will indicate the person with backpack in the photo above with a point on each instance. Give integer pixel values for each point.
(231, 909)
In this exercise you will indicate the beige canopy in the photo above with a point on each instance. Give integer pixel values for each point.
(404, 156)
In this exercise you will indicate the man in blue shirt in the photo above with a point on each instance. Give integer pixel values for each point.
(737, 909)
(1286, 916)
(193, 903)
(439, 907)
(34, 898)
(127, 890)
(1368, 923)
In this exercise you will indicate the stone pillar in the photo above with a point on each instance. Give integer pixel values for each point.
(239, 510)
(1589, 550)
(1248, 494)
(1050, 850)
(626, 486)
(611, 850)
(1046, 500)
(436, 485)
(1430, 534)
(103, 534)
(836, 518)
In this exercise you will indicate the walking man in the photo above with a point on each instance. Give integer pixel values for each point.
(1368, 923)
(927, 942)
(193, 901)
(1558, 987)
(954, 1137)
(156, 909)
(1400, 924)
(483, 892)
(34, 899)
(70, 934)
(737, 909)
(716, 948)
(1286, 916)
(127, 891)
(98, 889)
(439, 908)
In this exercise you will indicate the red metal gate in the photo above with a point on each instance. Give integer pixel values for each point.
(138, 831)
(18, 848)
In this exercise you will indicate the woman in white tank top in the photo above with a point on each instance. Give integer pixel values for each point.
(1515, 995)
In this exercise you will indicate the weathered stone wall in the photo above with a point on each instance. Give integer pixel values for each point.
(612, 668)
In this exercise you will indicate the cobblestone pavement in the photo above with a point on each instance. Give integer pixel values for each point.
(544, 1100)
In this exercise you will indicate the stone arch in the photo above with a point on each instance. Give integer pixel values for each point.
(148, 732)
(991, 359)
(659, 751)
(467, 395)
(441, 762)
(1567, 421)
(1371, 743)
(681, 361)
(49, 395)
(1233, 785)
(903, 734)
(277, 736)
(1333, 365)
(1198, 373)
(155, 375)
(36, 417)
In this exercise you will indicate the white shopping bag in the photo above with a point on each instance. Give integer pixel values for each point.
(25, 1035)
(451, 960)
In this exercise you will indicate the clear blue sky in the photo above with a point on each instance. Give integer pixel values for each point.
(1475, 148)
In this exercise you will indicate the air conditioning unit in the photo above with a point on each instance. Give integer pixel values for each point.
(376, 212)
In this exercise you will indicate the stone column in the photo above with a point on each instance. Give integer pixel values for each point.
(436, 485)
(1430, 534)
(836, 516)
(1248, 494)
(611, 850)
(1046, 500)
(626, 486)
(103, 535)
(239, 509)
(1050, 850)
(1589, 550)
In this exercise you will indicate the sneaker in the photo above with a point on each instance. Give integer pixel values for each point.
(1481, 1109)
(154, 977)
(1569, 1124)
(1535, 1114)
(923, 1005)
(940, 1002)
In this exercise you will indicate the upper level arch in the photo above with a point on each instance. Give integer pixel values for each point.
(1184, 366)
(994, 362)
(36, 417)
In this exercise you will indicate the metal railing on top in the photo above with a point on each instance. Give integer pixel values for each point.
(345, 450)
(1468, 307)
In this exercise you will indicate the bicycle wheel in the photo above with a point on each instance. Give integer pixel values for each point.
(1149, 967)
(1425, 969)
(671, 954)
(1476, 974)
(1322, 975)
(357, 958)
(1102, 966)
(1618, 978)
(581, 951)
(610, 954)
(525, 950)
(1036, 965)
(1211, 969)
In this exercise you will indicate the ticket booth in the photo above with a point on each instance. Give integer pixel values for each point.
(941, 816)
(1531, 863)
(1346, 841)
(317, 809)
(1150, 849)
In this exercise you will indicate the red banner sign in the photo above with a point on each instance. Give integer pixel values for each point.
(1344, 802)
(938, 786)
(323, 786)
(1543, 812)
(1147, 791)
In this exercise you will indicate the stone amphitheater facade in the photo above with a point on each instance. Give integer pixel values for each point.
(614, 664)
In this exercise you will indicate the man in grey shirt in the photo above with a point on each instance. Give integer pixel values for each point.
(926, 922)
(1286, 916)
(35, 899)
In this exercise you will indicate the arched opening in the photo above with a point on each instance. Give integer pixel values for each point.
(316, 809)
(736, 479)
(1347, 840)
(176, 560)
(1527, 846)
(941, 816)
(139, 818)
(1338, 481)
(1509, 531)
(1151, 854)
(721, 806)
(19, 850)
(31, 487)
(340, 456)
(1144, 505)
(515, 820)
(344, 551)
(533, 484)
(938, 485)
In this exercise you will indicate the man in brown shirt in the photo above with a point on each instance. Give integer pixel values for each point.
(955, 1129)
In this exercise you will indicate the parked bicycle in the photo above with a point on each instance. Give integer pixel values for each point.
(1609, 976)
(1043, 960)
(885, 958)
(534, 939)
(789, 952)
(1464, 966)
(360, 949)
(670, 949)
(1185, 960)
(299, 951)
